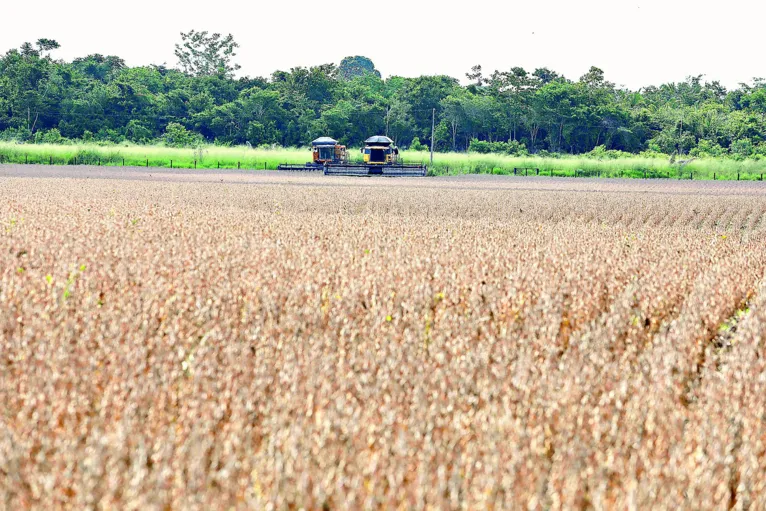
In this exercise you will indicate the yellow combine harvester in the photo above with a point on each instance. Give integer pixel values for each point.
(324, 150)
(381, 158)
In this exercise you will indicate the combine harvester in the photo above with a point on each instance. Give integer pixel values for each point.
(381, 158)
(324, 150)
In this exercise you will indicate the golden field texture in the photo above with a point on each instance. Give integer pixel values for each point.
(273, 342)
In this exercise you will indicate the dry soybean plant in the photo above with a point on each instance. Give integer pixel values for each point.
(467, 343)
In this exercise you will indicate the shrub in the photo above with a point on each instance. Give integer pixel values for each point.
(706, 148)
(602, 153)
(15, 135)
(416, 145)
(742, 148)
(176, 135)
(137, 132)
(52, 136)
(512, 147)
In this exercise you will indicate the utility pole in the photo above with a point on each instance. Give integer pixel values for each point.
(433, 125)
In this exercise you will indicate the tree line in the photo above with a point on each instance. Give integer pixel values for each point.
(99, 98)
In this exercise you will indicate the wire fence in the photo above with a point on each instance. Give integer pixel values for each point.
(133, 162)
(93, 160)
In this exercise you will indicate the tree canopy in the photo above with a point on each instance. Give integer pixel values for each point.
(200, 54)
(516, 110)
(354, 67)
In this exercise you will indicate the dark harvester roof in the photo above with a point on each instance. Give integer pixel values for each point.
(324, 141)
(379, 139)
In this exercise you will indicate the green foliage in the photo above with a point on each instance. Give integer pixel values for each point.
(47, 45)
(15, 134)
(213, 156)
(200, 54)
(52, 136)
(354, 67)
(136, 131)
(176, 135)
(742, 148)
(417, 146)
(602, 153)
(706, 148)
(512, 147)
(98, 99)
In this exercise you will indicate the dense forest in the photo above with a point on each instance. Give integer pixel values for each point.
(98, 98)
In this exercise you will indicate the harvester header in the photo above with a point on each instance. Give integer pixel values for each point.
(324, 150)
(381, 158)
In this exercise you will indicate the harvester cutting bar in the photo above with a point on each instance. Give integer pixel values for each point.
(307, 167)
(397, 170)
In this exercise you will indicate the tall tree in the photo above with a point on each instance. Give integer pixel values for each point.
(200, 54)
(476, 76)
(354, 67)
(46, 46)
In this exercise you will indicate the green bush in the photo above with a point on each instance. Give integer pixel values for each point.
(135, 131)
(602, 153)
(15, 135)
(416, 145)
(742, 148)
(176, 135)
(512, 147)
(110, 136)
(706, 148)
(542, 153)
(52, 136)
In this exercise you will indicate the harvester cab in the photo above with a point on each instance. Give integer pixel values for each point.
(324, 150)
(380, 157)
(380, 152)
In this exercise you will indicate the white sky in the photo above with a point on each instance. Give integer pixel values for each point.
(636, 43)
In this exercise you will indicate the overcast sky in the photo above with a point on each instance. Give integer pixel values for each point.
(637, 43)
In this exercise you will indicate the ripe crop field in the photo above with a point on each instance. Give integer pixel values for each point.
(290, 341)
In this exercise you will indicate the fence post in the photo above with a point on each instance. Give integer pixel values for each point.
(237, 165)
(537, 172)
(123, 162)
(737, 176)
(219, 164)
(171, 164)
(713, 176)
(264, 165)
(99, 162)
(147, 163)
(526, 172)
(195, 164)
(26, 158)
(644, 174)
(761, 176)
(514, 171)
(50, 160)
